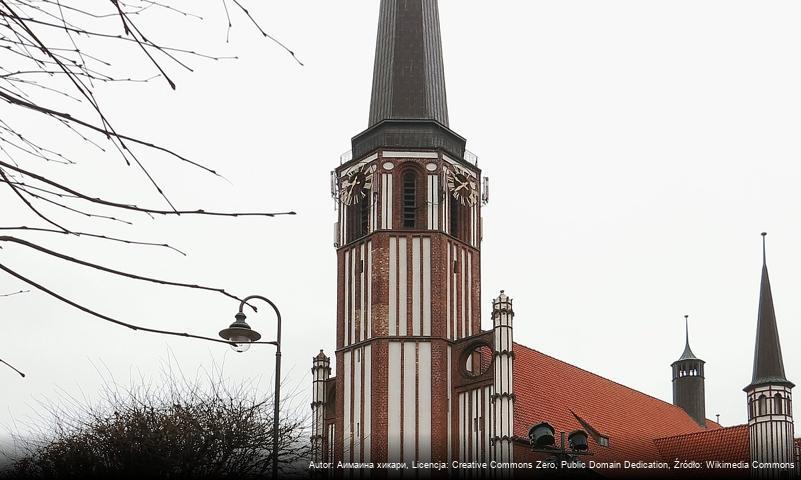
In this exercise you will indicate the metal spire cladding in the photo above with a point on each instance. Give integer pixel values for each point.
(768, 363)
(408, 107)
(688, 353)
(408, 78)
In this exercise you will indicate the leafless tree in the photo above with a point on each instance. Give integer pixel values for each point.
(196, 428)
(54, 54)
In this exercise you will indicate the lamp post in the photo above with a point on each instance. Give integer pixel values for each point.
(541, 438)
(241, 336)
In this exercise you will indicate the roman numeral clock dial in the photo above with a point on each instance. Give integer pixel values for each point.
(462, 186)
(356, 184)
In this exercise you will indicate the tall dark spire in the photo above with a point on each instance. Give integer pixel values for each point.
(768, 363)
(408, 108)
(408, 78)
(688, 354)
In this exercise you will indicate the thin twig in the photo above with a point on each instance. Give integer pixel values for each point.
(21, 291)
(12, 367)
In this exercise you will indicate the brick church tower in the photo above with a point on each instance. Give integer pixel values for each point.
(413, 379)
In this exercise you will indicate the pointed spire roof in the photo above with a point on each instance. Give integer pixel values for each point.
(408, 107)
(688, 353)
(409, 77)
(768, 363)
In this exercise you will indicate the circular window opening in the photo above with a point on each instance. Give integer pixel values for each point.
(478, 361)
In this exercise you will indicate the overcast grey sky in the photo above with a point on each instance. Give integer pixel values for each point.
(635, 151)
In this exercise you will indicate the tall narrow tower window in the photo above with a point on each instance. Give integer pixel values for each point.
(763, 404)
(364, 216)
(778, 404)
(455, 212)
(410, 200)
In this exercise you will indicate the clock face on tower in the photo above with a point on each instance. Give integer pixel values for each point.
(462, 186)
(356, 184)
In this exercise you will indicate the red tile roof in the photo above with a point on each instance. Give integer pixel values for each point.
(724, 444)
(571, 398)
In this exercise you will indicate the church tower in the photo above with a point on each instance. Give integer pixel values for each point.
(408, 250)
(688, 381)
(770, 416)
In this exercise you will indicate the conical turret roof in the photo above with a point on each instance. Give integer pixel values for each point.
(768, 363)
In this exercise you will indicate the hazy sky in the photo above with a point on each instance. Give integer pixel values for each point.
(635, 151)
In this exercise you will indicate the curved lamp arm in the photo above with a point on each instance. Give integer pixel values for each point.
(244, 302)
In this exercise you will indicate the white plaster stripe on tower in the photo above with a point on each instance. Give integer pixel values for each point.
(394, 403)
(449, 417)
(435, 201)
(464, 293)
(427, 286)
(487, 415)
(384, 199)
(424, 417)
(389, 201)
(357, 405)
(403, 285)
(409, 155)
(347, 420)
(346, 311)
(416, 286)
(409, 401)
(430, 202)
(393, 286)
(446, 207)
(373, 196)
(367, 424)
(462, 433)
(469, 294)
(455, 294)
(474, 423)
(353, 296)
(370, 289)
(331, 437)
(342, 222)
(450, 334)
(362, 290)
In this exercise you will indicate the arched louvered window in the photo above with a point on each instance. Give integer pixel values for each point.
(778, 404)
(763, 404)
(409, 197)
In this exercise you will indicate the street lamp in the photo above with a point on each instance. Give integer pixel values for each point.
(541, 438)
(241, 337)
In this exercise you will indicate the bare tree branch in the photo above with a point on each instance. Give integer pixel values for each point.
(14, 293)
(50, 66)
(94, 235)
(12, 367)
(124, 206)
(113, 320)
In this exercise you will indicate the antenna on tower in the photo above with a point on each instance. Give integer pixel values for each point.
(764, 254)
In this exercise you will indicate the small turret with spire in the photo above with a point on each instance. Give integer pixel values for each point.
(688, 381)
(770, 416)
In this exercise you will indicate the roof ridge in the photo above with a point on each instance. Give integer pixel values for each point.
(602, 377)
(702, 432)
